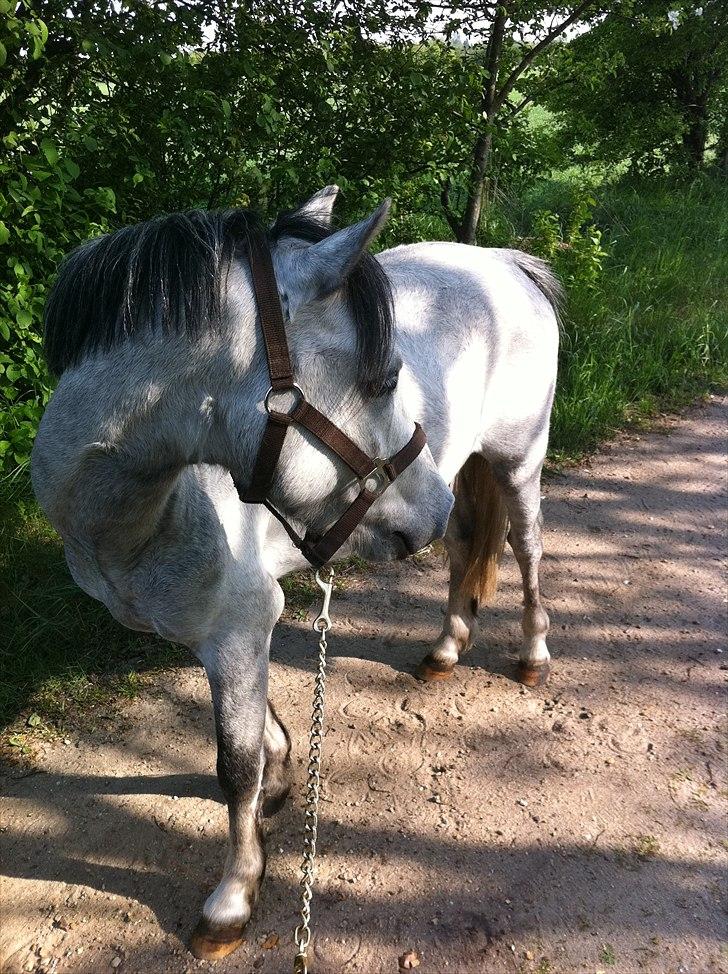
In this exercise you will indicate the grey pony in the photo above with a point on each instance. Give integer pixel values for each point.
(133, 463)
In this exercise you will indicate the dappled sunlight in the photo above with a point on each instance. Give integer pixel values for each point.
(462, 816)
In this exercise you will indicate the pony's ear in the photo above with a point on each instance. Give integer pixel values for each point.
(317, 271)
(320, 206)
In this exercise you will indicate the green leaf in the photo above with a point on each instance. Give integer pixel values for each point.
(34, 720)
(16, 740)
(72, 168)
(4, 330)
(3, 54)
(49, 151)
(4, 233)
(24, 318)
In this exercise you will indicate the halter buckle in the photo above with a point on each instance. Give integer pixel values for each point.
(378, 478)
(298, 397)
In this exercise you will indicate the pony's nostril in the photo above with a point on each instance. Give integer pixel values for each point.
(406, 544)
(402, 543)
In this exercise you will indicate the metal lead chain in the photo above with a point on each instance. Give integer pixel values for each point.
(302, 935)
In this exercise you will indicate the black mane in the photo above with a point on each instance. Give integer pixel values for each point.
(168, 274)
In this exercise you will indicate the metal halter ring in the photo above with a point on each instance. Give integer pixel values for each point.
(380, 477)
(299, 397)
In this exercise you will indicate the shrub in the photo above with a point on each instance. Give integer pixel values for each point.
(42, 216)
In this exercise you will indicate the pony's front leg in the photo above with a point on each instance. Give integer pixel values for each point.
(236, 661)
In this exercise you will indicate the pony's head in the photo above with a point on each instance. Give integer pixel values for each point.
(339, 312)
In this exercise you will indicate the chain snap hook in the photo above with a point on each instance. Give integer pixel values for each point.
(322, 622)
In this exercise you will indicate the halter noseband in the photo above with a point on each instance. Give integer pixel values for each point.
(374, 475)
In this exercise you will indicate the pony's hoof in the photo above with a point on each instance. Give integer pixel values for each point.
(533, 675)
(431, 670)
(212, 943)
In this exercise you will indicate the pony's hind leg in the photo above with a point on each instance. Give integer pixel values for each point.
(474, 541)
(523, 500)
(236, 661)
(459, 626)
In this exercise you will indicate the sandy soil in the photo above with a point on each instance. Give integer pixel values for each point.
(573, 828)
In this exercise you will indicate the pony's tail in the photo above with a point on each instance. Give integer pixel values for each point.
(476, 483)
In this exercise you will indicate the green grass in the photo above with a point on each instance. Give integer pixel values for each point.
(654, 333)
(608, 955)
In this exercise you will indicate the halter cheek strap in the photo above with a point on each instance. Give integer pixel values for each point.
(374, 475)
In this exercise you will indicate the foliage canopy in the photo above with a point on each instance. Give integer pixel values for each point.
(111, 112)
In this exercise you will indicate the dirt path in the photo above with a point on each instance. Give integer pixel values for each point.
(573, 828)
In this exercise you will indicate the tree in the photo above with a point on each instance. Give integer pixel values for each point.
(508, 39)
(647, 84)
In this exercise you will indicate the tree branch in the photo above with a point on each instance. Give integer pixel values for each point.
(537, 49)
(452, 220)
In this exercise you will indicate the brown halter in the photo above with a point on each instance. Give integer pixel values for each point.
(374, 475)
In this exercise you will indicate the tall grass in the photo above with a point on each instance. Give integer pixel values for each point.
(653, 333)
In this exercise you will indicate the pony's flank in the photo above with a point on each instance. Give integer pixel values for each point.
(169, 275)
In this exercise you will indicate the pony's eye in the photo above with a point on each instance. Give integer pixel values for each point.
(390, 383)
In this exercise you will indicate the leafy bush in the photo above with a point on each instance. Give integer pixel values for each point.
(574, 250)
(42, 216)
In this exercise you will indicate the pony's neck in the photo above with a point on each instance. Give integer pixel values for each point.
(174, 416)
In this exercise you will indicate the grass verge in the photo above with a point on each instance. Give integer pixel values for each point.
(651, 334)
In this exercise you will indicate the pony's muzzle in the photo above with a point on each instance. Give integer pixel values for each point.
(429, 525)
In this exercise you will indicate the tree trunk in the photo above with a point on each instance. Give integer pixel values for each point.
(693, 101)
(694, 139)
(471, 218)
(466, 229)
(493, 100)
